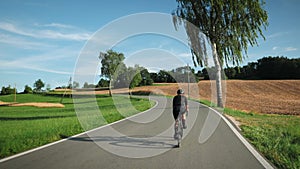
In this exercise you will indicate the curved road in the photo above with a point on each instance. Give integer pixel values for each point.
(145, 141)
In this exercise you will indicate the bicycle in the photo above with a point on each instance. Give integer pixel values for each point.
(179, 130)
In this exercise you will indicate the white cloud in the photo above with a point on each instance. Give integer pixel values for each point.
(47, 70)
(45, 33)
(277, 34)
(20, 64)
(56, 25)
(50, 34)
(288, 49)
(21, 42)
(275, 48)
(185, 55)
(58, 61)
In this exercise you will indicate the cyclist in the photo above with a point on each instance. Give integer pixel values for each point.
(180, 107)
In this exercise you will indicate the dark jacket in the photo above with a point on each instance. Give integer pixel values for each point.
(179, 105)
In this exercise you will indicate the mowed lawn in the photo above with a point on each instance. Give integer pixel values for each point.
(26, 127)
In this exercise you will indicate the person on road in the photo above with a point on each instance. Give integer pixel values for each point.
(180, 107)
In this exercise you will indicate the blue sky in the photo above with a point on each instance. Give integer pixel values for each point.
(43, 39)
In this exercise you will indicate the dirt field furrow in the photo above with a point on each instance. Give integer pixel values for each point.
(263, 96)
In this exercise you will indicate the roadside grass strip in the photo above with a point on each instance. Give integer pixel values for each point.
(24, 128)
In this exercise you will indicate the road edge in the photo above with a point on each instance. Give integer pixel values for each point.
(250, 147)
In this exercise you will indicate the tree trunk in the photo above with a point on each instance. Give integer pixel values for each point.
(218, 76)
(110, 92)
(110, 87)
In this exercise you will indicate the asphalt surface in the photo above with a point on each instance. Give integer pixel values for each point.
(146, 141)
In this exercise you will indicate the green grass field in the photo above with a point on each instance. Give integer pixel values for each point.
(23, 128)
(276, 136)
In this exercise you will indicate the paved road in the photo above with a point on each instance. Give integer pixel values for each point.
(145, 141)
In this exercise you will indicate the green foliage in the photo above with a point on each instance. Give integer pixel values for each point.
(115, 73)
(278, 68)
(162, 77)
(7, 90)
(38, 85)
(229, 24)
(86, 85)
(181, 75)
(267, 68)
(103, 83)
(118, 75)
(75, 85)
(27, 89)
(129, 77)
(146, 78)
(134, 75)
(112, 63)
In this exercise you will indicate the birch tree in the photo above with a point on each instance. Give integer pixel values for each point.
(229, 25)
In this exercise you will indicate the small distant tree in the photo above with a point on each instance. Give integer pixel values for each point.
(75, 85)
(205, 74)
(165, 77)
(7, 90)
(102, 83)
(3, 91)
(38, 85)
(86, 85)
(134, 76)
(27, 89)
(230, 73)
(184, 74)
(146, 78)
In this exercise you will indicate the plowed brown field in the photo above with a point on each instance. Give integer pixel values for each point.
(262, 96)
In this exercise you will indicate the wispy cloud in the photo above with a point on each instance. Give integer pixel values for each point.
(58, 61)
(56, 25)
(288, 49)
(20, 64)
(45, 33)
(47, 70)
(278, 34)
(185, 55)
(21, 42)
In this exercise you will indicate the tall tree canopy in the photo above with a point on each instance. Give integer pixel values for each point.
(229, 25)
(111, 61)
(112, 64)
(117, 75)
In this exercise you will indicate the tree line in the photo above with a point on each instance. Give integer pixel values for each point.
(38, 85)
(268, 68)
(116, 74)
(182, 74)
